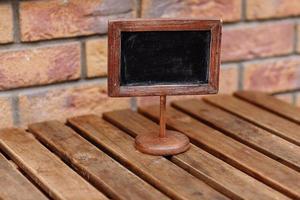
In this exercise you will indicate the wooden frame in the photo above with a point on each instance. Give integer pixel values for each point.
(115, 28)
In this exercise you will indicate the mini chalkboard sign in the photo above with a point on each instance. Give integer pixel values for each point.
(162, 57)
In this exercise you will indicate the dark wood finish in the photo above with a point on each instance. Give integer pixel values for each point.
(14, 186)
(130, 75)
(215, 172)
(160, 172)
(47, 170)
(97, 167)
(263, 168)
(269, 121)
(166, 142)
(243, 131)
(116, 27)
(271, 104)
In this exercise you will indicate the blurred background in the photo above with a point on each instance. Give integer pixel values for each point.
(53, 53)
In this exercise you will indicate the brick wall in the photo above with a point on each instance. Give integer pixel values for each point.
(53, 53)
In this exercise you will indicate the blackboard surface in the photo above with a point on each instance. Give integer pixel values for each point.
(165, 58)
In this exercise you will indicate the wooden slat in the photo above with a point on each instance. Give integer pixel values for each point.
(243, 131)
(241, 156)
(272, 104)
(201, 164)
(14, 186)
(269, 121)
(160, 172)
(100, 169)
(48, 171)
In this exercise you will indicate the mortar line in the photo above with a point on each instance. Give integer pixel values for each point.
(83, 63)
(138, 8)
(296, 38)
(47, 43)
(16, 21)
(294, 98)
(240, 76)
(243, 11)
(133, 103)
(15, 110)
(61, 85)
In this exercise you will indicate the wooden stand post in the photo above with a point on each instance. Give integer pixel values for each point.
(166, 142)
(162, 122)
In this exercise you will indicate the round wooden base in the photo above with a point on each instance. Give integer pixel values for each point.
(173, 143)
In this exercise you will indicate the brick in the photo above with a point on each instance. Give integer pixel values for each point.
(229, 78)
(274, 75)
(96, 57)
(228, 83)
(228, 10)
(6, 23)
(287, 97)
(6, 116)
(39, 66)
(62, 103)
(42, 20)
(257, 9)
(257, 41)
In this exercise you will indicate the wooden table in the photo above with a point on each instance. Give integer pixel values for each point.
(243, 147)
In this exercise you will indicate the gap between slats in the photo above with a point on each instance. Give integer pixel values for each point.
(188, 125)
(134, 124)
(64, 141)
(45, 181)
(271, 104)
(24, 176)
(269, 121)
(93, 131)
(220, 119)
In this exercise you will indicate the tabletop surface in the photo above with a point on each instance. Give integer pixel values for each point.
(244, 146)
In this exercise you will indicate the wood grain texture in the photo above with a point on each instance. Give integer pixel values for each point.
(269, 121)
(263, 168)
(157, 170)
(271, 104)
(97, 167)
(243, 131)
(14, 186)
(215, 172)
(47, 170)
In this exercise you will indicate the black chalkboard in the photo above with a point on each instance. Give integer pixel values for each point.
(165, 58)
